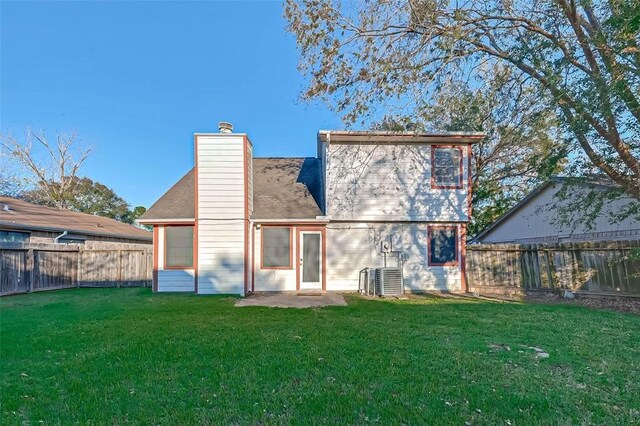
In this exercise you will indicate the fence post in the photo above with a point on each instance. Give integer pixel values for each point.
(119, 267)
(148, 270)
(30, 268)
(576, 266)
(550, 268)
(79, 269)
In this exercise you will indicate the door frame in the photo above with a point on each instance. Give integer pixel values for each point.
(323, 252)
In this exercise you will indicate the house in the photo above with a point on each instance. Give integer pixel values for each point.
(24, 222)
(238, 224)
(536, 219)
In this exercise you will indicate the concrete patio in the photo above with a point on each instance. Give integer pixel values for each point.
(293, 300)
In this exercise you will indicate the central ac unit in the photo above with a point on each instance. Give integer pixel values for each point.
(389, 282)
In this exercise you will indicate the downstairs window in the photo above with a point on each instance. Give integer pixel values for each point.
(178, 244)
(443, 245)
(276, 247)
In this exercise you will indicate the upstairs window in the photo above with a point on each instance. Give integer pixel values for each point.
(178, 244)
(443, 245)
(14, 237)
(446, 167)
(276, 247)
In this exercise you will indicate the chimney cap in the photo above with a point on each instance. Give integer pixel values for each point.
(225, 127)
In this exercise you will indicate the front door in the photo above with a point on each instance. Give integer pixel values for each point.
(310, 260)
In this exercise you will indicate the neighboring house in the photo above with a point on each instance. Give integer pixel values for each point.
(23, 222)
(536, 219)
(238, 224)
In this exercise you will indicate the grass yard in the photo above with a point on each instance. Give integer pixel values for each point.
(127, 355)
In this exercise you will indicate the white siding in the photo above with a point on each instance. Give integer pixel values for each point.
(176, 280)
(221, 213)
(172, 279)
(352, 247)
(273, 279)
(389, 182)
(250, 177)
(537, 221)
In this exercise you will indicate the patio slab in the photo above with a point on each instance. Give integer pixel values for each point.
(293, 300)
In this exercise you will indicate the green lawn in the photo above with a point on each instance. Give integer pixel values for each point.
(127, 355)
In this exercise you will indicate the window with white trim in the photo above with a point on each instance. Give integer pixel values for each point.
(178, 247)
(446, 163)
(276, 247)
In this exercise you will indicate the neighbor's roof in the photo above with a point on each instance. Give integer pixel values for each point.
(23, 215)
(331, 136)
(594, 182)
(283, 188)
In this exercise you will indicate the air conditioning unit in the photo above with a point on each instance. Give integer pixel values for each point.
(389, 282)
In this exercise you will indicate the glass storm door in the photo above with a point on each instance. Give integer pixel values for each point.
(310, 260)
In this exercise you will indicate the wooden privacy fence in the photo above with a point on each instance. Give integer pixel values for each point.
(591, 267)
(37, 267)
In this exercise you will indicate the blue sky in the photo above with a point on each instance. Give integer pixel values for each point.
(137, 79)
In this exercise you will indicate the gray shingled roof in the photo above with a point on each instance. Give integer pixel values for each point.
(286, 188)
(177, 203)
(283, 188)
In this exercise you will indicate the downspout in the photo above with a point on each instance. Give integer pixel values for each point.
(56, 239)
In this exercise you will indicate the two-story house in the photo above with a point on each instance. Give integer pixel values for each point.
(238, 224)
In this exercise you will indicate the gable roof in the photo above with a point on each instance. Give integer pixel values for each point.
(28, 216)
(283, 188)
(565, 180)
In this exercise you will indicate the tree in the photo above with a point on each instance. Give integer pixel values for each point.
(133, 215)
(51, 168)
(47, 174)
(86, 196)
(520, 149)
(582, 57)
(10, 183)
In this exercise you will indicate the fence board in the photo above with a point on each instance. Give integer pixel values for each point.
(13, 276)
(40, 267)
(603, 268)
(100, 268)
(54, 269)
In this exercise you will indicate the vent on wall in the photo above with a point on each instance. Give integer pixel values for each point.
(389, 282)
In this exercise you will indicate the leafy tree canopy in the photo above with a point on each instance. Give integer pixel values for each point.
(86, 196)
(521, 146)
(572, 64)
